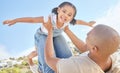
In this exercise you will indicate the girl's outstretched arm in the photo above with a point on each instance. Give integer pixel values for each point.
(24, 20)
(81, 22)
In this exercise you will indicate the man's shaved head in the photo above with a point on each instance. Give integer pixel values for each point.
(105, 38)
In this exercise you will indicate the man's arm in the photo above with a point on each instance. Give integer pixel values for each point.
(76, 41)
(50, 58)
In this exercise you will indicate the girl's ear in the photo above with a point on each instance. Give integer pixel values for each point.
(58, 10)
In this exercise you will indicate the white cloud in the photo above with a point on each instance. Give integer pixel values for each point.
(3, 52)
(111, 17)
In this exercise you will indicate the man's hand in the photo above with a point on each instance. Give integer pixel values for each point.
(66, 28)
(48, 25)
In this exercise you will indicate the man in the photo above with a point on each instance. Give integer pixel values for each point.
(101, 42)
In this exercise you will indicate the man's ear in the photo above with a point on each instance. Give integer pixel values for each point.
(95, 48)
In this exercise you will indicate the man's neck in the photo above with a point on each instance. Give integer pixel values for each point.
(105, 63)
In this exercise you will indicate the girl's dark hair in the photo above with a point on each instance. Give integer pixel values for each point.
(54, 10)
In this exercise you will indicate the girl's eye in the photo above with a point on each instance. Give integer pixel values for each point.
(64, 11)
(69, 15)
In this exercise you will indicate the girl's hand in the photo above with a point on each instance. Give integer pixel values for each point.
(91, 23)
(9, 22)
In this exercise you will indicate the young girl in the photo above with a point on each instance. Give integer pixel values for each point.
(60, 17)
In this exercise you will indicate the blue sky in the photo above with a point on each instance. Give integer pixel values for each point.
(18, 39)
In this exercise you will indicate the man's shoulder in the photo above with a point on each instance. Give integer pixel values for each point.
(74, 61)
(75, 58)
(76, 64)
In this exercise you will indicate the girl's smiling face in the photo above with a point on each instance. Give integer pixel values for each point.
(65, 14)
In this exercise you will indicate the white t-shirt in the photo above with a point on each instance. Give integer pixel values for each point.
(115, 63)
(83, 64)
(53, 20)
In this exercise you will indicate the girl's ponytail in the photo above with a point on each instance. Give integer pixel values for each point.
(54, 10)
(73, 22)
